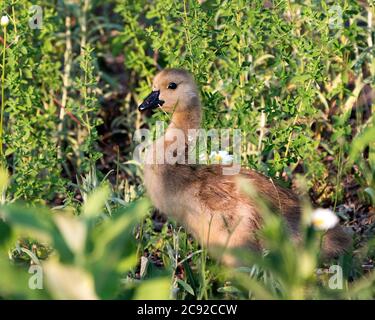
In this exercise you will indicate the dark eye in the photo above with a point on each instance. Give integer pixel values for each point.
(172, 85)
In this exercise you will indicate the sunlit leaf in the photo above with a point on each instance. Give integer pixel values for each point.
(68, 282)
(73, 230)
(155, 289)
(186, 286)
(96, 201)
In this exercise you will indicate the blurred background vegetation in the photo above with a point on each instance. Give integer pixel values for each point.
(297, 77)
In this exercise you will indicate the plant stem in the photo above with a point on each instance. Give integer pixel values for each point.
(84, 54)
(338, 177)
(187, 37)
(370, 42)
(66, 82)
(14, 21)
(2, 95)
(294, 123)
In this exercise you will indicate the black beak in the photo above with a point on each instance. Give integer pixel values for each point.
(151, 102)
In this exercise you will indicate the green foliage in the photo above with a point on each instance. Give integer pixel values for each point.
(289, 74)
(30, 117)
(89, 256)
(252, 61)
(289, 271)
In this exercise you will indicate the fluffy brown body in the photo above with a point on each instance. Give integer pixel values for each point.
(212, 206)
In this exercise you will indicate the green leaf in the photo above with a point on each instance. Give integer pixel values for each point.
(228, 289)
(14, 281)
(367, 137)
(4, 177)
(69, 282)
(371, 192)
(186, 286)
(155, 289)
(113, 241)
(35, 221)
(73, 230)
(96, 201)
(5, 232)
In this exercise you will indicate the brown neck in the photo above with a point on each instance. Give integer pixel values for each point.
(180, 121)
(187, 119)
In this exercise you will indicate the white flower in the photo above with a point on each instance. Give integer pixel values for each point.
(4, 21)
(222, 157)
(323, 219)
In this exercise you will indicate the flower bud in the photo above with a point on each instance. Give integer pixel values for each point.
(4, 21)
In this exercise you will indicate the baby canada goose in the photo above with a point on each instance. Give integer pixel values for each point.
(209, 204)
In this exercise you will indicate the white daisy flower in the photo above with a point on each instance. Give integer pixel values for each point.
(324, 219)
(4, 21)
(222, 157)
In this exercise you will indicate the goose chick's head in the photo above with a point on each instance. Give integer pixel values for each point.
(174, 90)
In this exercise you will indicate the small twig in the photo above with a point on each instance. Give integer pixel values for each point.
(2, 92)
(68, 113)
(66, 80)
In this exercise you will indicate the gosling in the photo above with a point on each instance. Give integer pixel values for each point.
(212, 206)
